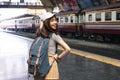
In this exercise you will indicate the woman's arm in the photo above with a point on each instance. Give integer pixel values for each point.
(66, 50)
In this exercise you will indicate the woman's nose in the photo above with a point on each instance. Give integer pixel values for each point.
(55, 21)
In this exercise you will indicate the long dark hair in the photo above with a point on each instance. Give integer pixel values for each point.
(46, 29)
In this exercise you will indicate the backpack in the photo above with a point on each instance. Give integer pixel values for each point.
(38, 63)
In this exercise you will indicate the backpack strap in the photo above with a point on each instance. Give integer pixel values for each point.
(38, 57)
(33, 45)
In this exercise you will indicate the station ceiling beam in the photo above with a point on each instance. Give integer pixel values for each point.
(25, 6)
(47, 4)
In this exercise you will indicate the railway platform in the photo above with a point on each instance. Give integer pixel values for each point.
(78, 65)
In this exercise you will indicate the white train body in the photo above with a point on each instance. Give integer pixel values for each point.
(29, 24)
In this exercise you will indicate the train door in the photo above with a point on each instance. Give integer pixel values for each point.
(77, 25)
(89, 33)
(15, 25)
(82, 21)
(33, 22)
(73, 26)
(33, 25)
(81, 24)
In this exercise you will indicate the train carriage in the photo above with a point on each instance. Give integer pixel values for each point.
(25, 23)
(68, 23)
(100, 23)
(4, 24)
(103, 23)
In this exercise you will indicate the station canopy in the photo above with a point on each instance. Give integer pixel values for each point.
(63, 5)
(66, 5)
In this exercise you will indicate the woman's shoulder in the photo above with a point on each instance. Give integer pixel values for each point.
(53, 35)
(56, 37)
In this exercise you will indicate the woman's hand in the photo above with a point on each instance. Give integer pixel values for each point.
(56, 56)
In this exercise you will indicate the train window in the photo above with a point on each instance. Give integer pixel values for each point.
(26, 21)
(118, 15)
(82, 19)
(66, 19)
(71, 19)
(98, 16)
(61, 20)
(37, 21)
(20, 22)
(76, 19)
(108, 16)
(90, 17)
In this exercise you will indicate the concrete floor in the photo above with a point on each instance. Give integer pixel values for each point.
(13, 66)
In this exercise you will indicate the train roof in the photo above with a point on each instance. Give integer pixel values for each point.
(22, 16)
(117, 5)
(68, 12)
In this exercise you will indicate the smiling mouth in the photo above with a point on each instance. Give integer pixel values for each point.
(54, 25)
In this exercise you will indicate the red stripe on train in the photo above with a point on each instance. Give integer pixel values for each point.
(106, 31)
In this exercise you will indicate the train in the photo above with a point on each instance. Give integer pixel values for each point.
(25, 23)
(99, 23)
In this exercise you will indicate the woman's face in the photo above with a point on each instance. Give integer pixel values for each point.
(53, 23)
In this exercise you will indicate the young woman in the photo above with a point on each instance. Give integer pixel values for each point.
(49, 28)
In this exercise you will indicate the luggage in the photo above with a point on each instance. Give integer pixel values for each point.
(38, 62)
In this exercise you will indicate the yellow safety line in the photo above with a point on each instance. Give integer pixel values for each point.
(108, 60)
